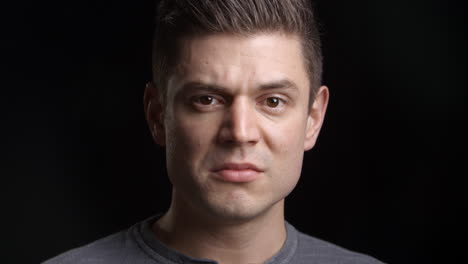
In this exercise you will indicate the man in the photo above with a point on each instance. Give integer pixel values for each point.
(236, 100)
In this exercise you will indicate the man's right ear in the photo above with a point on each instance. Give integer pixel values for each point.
(154, 113)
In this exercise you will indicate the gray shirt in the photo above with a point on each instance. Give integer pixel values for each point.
(138, 245)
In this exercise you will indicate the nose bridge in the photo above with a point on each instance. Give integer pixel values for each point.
(241, 125)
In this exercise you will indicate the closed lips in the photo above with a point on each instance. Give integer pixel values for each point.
(237, 172)
(238, 166)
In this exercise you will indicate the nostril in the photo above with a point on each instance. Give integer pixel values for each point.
(239, 133)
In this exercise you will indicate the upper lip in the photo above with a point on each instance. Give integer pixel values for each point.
(238, 166)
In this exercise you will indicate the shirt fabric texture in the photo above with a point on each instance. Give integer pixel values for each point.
(139, 245)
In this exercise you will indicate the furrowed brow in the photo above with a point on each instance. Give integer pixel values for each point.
(195, 85)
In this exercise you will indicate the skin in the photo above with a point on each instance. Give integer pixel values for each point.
(233, 99)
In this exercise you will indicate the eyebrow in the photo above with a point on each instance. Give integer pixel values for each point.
(279, 84)
(194, 85)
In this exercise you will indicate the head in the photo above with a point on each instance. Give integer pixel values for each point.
(237, 101)
(183, 18)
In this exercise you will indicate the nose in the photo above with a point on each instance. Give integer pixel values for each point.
(240, 124)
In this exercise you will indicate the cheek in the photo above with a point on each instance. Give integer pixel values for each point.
(289, 170)
(287, 139)
(288, 150)
(188, 140)
(182, 148)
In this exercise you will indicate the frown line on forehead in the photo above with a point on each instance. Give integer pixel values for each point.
(238, 50)
(280, 84)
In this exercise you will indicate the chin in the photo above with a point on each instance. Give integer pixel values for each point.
(235, 215)
(238, 209)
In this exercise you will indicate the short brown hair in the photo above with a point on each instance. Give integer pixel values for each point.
(179, 18)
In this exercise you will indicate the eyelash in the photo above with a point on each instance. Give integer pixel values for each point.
(195, 100)
(281, 101)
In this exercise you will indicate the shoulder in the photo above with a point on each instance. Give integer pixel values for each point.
(116, 248)
(325, 252)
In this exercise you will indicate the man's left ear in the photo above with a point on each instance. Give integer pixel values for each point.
(316, 117)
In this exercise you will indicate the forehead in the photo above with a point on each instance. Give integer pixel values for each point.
(241, 61)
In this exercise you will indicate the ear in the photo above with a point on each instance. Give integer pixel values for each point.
(315, 117)
(154, 113)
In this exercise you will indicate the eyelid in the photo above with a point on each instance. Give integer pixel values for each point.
(282, 98)
(274, 110)
(194, 101)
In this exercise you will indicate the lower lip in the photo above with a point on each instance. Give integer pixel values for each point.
(237, 175)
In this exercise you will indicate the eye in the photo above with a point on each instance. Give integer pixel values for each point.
(273, 102)
(206, 99)
(206, 102)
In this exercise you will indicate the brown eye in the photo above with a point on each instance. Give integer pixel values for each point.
(273, 102)
(206, 100)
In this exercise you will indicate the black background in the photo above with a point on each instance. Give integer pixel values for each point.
(79, 161)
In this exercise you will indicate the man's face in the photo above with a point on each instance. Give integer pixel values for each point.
(237, 122)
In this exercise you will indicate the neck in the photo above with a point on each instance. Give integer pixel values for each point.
(248, 241)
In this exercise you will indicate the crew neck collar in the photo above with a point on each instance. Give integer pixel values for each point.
(157, 250)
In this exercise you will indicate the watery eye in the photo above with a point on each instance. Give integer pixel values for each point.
(273, 102)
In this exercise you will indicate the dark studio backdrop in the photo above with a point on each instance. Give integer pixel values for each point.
(79, 161)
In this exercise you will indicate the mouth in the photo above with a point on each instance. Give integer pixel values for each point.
(237, 172)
